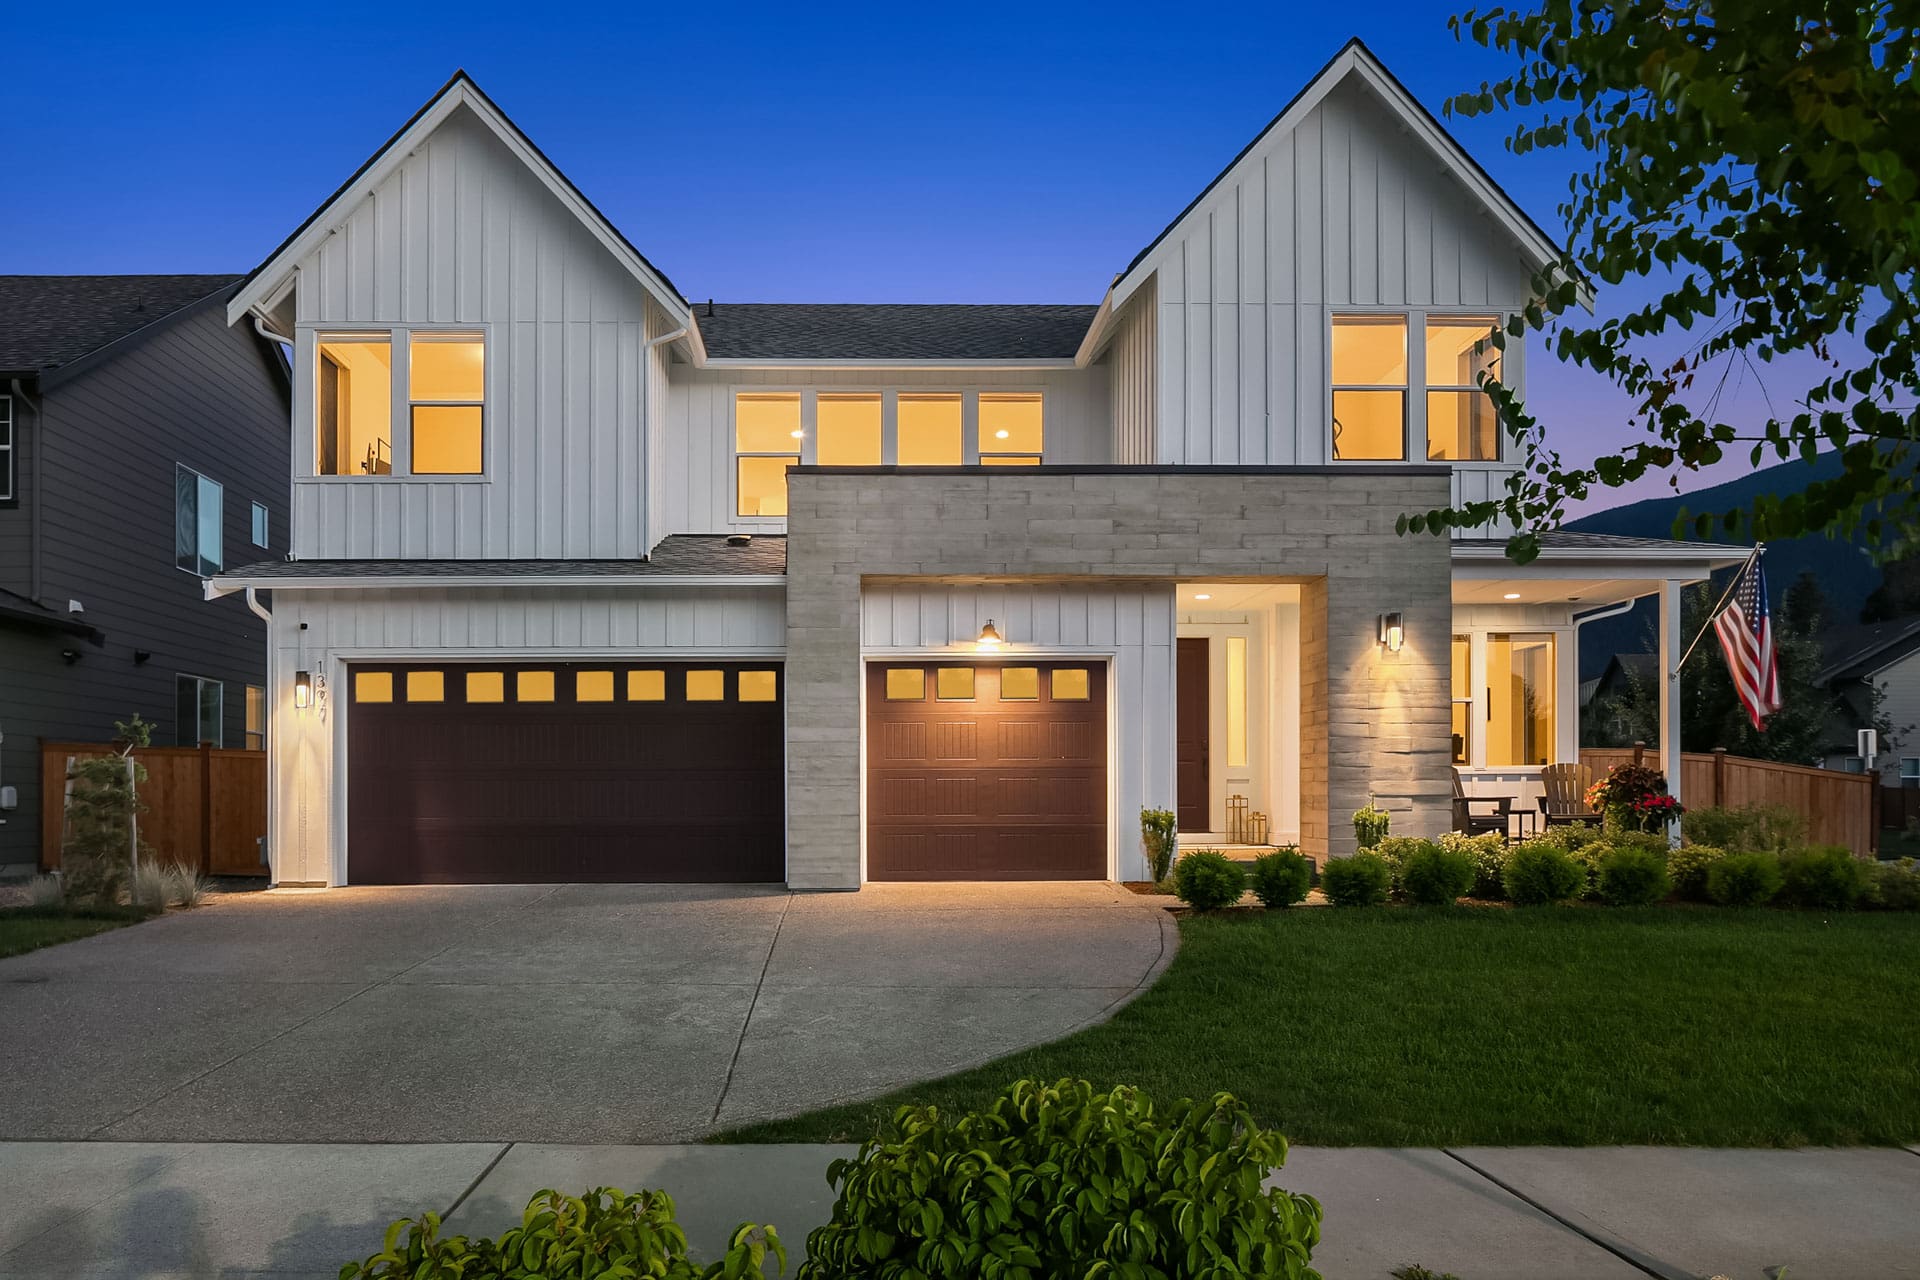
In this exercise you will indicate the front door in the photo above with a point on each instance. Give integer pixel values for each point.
(1193, 772)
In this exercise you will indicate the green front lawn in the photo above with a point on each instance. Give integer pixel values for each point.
(1471, 1026)
(24, 929)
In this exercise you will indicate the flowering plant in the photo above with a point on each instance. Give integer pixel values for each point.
(1626, 784)
(1663, 808)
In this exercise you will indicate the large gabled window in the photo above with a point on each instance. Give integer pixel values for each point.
(400, 402)
(1369, 365)
(197, 513)
(1460, 419)
(766, 439)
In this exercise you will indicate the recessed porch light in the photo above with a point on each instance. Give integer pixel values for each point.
(1202, 595)
(1511, 595)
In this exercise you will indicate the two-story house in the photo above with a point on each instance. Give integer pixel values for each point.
(594, 583)
(143, 448)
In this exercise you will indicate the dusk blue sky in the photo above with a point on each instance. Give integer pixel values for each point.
(901, 153)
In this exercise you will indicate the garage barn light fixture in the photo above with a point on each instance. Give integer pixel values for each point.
(302, 689)
(1392, 633)
(989, 641)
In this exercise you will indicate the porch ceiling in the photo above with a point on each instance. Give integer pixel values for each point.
(1584, 592)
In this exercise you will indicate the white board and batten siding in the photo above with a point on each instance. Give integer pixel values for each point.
(462, 234)
(1342, 213)
(1131, 627)
(1132, 363)
(307, 749)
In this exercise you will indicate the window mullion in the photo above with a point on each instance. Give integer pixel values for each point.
(809, 427)
(400, 389)
(889, 428)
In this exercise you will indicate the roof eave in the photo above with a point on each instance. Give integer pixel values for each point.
(223, 585)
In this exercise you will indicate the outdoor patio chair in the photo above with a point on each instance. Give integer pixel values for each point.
(1467, 822)
(1565, 801)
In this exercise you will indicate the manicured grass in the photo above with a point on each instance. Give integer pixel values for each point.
(1481, 1026)
(24, 929)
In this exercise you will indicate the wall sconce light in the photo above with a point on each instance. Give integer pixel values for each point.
(1392, 633)
(990, 640)
(302, 689)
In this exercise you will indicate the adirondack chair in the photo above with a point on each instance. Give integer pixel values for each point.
(1466, 821)
(1565, 801)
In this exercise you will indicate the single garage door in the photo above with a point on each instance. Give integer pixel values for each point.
(554, 772)
(986, 771)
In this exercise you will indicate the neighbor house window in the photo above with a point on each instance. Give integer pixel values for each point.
(1462, 695)
(1010, 429)
(260, 524)
(256, 718)
(766, 438)
(1460, 420)
(846, 430)
(446, 399)
(929, 431)
(1369, 388)
(199, 704)
(353, 406)
(1520, 699)
(6, 449)
(196, 522)
(1910, 771)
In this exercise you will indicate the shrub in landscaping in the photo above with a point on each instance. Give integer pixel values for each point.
(1281, 878)
(1539, 872)
(604, 1233)
(1687, 868)
(1754, 828)
(186, 887)
(1393, 850)
(1159, 834)
(1066, 1180)
(1488, 853)
(1436, 877)
(150, 886)
(1895, 886)
(1744, 879)
(1633, 876)
(1363, 880)
(1824, 876)
(1208, 880)
(1370, 826)
(45, 891)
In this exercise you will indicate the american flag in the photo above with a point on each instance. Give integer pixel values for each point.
(1745, 628)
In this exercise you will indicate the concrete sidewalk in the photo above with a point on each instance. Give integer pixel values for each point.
(93, 1210)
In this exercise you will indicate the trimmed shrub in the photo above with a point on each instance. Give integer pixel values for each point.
(1633, 876)
(1064, 1180)
(1370, 825)
(603, 1233)
(1577, 835)
(1436, 877)
(1208, 880)
(1744, 879)
(1281, 878)
(1393, 850)
(1825, 876)
(1539, 872)
(1363, 880)
(1896, 886)
(1159, 836)
(1488, 853)
(1687, 867)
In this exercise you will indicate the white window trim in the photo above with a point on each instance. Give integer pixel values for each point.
(9, 476)
(260, 525)
(1512, 362)
(1494, 319)
(1566, 691)
(220, 562)
(310, 335)
(200, 735)
(1914, 771)
(889, 427)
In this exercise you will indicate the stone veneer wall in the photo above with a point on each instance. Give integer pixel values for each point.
(1372, 723)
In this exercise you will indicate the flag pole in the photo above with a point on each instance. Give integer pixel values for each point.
(1713, 613)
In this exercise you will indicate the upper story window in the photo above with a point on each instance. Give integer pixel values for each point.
(1369, 388)
(774, 430)
(1460, 418)
(366, 401)
(197, 505)
(6, 449)
(1010, 429)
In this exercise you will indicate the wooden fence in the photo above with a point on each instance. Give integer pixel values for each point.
(206, 807)
(1838, 807)
(1899, 807)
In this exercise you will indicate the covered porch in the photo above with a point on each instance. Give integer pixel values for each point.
(1514, 653)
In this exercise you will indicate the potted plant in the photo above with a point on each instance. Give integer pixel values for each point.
(1632, 797)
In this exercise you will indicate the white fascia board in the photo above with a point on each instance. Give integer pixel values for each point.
(272, 276)
(214, 588)
(1097, 333)
(743, 362)
(1689, 563)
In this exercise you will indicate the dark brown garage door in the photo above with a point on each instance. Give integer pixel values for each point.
(986, 771)
(554, 772)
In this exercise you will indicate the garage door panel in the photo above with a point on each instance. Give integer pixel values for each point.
(986, 788)
(624, 790)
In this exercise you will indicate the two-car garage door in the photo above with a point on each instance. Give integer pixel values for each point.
(565, 772)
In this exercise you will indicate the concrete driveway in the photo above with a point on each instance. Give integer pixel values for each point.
(572, 1013)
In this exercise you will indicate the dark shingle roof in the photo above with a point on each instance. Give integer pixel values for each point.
(48, 321)
(1576, 540)
(891, 331)
(1864, 648)
(682, 556)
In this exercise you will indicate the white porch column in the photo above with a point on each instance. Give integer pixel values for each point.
(1670, 690)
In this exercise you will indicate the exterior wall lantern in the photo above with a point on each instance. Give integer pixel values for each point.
(1392, 633)
(302, 689)
(989, 641)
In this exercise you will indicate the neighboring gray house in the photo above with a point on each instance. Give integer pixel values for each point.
(143, 446)
(1857, 660)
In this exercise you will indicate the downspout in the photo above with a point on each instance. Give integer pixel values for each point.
(650, 426)
(34, 584)
(260, 327)
(259, 610)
